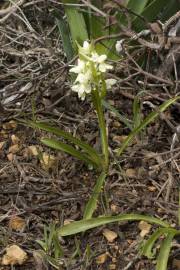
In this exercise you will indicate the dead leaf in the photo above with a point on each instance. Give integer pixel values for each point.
(14, 148)
(67, 221)
(4, 134)
(144, 227)
(114, 208)
(10, 157)
(110, 235)
(131, 173)
(14, 255)
(101, 258)
(176, 264)
(116, 124)
(152, 188)
(10, 125)
(48, 161)
(33, 150)
(17, 223)
(15, 139)
(112, 267)
(119, 139)
(1, 144)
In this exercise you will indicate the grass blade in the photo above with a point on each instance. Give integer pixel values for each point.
(66, 148)
(145, 122)
(92, 203)
(86, 224)
(121, 117)
(163, 256)
(66, 135)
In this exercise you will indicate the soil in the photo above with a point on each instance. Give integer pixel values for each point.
(144, 179)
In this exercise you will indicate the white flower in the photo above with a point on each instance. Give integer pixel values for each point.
(84, 77)
(82, 90)
(89, 65)
(119, 45)
(100, 61)
(79, 68)
(98, 58)
(110, 83)
(86, 49)
(104, 67)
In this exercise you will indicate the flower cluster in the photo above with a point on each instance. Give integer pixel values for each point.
(89, 69)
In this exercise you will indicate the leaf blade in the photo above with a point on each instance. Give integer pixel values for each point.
(145, 122)
(92, 203)
(83, 225)
(66, 148)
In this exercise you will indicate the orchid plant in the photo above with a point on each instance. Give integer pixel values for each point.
(91, 69)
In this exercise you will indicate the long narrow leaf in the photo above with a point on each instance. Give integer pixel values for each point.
(66, 148)
(121, 117)
(137, 6)
(65, 36)
(92, 203)
(148, 246)
(146, 121)
(76, 24)
(66, 135)
(84, 225)
(163, 257)
(150, 12)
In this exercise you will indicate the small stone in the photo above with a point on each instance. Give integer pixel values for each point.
(131, 173)
(119, 139)
(110, 235)
(15, 139)
(17, 223)
(14, 255)
(10, 125)
(112, 267)
(101, 258)
(33, 150)
(48, 161)
(10, 157)
(144, 227)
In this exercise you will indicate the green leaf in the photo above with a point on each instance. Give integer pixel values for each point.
(76, 24)
(84, 225)
(65, 37)
(93, 155)
(92, 203)
(66, 148)
(148, 246)
(163, 256)
(151, 12)
(145, 122)
(137, 6)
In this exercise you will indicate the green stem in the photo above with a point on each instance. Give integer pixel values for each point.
(102, 126)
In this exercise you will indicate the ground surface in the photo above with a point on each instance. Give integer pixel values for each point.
(143, 180)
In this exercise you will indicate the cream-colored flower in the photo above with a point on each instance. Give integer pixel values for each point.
(79, 67)
(86, 49)
(99, 60)
(89, 64)
(110, 83)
